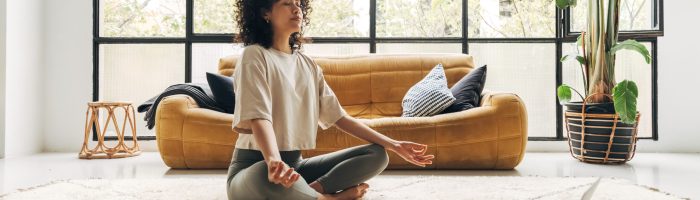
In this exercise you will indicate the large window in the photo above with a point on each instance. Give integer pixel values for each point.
(143, 46)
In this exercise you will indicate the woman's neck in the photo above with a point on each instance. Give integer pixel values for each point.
(281, 43)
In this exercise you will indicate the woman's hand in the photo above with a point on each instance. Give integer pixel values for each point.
(279, 173)
(409, 151)
(412, 152)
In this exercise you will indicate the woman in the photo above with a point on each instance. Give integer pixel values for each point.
(281, 98)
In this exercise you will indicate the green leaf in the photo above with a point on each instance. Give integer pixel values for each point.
(625, 99)
(579, 40)
(564, 93)
(566, 57)
(562, 4)
(634, 46)
(580, 59)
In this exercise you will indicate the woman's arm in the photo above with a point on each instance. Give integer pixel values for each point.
(265, 137)
(410, 151)
(278, 172)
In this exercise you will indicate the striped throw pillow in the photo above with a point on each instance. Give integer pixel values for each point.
(429, 96)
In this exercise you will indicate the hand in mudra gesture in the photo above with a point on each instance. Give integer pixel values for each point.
(279, 173)
(413, 153)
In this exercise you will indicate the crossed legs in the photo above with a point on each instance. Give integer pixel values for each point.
(331, 173)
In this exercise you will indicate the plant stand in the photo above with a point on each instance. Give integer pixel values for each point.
(600, 138)
(101, 150)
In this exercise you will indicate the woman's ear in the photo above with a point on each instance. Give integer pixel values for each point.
(266, 14)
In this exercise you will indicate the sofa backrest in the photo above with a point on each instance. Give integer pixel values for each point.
(373, 85)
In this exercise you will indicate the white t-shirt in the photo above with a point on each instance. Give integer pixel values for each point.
(288, 90)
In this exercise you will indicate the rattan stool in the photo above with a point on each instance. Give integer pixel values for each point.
(92, 119)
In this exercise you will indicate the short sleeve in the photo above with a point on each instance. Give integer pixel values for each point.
(253, 96)
(330, 110)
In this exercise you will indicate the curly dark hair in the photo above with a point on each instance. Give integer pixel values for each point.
(253, 29)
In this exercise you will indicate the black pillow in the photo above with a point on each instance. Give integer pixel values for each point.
(468, 91)
(222, 88)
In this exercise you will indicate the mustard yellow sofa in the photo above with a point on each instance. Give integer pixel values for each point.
(370, 88)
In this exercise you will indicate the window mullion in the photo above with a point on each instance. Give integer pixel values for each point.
(560, 22)
(189, 32)
(465, 31)
(373, 26)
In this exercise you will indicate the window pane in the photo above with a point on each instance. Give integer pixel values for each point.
(214, 16)
(205, 58)
(527, 70)
(629, 65)
(634, 15)
(142, 18)
(419, 48)
(138, 72)
(419, 18)
(339, 18)
(336, 49)
(511, 19)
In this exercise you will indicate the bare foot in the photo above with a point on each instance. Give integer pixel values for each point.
(354, 192)
(351, 193)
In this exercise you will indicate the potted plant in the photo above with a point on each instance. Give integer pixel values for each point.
(602, 127)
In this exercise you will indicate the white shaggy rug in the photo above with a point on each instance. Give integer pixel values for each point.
(382, 187)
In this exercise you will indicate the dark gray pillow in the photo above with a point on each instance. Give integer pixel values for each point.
(467, 91)
(222, 88)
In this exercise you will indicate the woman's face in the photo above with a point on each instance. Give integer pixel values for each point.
(286, 16)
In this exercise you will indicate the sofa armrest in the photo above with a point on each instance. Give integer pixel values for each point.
(171, 114)
(176, 110)
(501, 119)
(181, 124)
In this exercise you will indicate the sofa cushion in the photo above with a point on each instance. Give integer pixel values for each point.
(222, 88)
(467, 91)
(429, 96)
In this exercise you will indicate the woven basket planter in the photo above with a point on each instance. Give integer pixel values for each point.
(600, 137)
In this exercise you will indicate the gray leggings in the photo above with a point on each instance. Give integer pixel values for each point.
(336, 171)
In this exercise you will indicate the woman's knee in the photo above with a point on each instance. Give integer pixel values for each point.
(379, 155)
(249, 183)
(252, 183)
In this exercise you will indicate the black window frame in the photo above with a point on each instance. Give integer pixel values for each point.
(657, 7)
(562, 35)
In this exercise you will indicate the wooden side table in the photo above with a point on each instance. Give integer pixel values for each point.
(92, 119)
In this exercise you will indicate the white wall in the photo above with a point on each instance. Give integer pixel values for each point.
(68, 72)
(68, 83)
(68, 86)
(3, 21)
(25, 75)
(679, 68)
